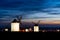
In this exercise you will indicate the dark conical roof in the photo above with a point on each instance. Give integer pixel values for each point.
(15, 20)
(36, 25)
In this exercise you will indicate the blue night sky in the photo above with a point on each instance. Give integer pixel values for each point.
(29, 9)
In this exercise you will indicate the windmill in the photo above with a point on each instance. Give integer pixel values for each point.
(36, 27)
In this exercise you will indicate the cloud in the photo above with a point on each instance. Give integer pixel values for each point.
(33, 9)
(52, 11)
(39, 15)
(23, 5)
(48, 13)
(28, 5)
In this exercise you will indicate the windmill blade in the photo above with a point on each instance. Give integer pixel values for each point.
(38, 21)
(33, 22)
(20, 17)
(17, 17)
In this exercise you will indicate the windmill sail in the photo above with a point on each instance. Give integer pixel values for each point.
(37, 22)
(19, 18)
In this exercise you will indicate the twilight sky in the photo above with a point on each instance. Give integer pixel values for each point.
(29, 9)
